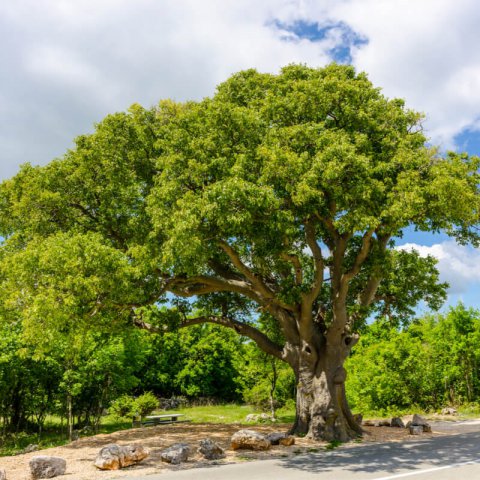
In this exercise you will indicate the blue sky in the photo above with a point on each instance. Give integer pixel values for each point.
(66, 64)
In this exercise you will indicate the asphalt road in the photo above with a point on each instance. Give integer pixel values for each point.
(446, 457)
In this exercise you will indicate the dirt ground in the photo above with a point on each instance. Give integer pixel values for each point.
(81, 454)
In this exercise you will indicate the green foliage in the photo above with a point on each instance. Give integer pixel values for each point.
(267, 382)
(431, 363)
(145, 404)
(123, 407)
(215, 211)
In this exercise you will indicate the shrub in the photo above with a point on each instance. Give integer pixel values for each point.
(123, 407)
(145, 404)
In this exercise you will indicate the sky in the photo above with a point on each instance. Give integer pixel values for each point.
(65, 64)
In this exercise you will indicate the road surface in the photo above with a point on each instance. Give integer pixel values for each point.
(453, 455)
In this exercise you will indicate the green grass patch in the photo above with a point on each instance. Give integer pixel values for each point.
(55, 434)
(230, 413)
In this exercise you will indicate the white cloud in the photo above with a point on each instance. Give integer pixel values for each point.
(458, 265)
(66, 64)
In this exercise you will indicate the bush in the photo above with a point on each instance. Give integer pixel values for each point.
(127, 406)
(145, 404)
(123, 407)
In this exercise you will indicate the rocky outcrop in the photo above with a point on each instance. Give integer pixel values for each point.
(279, 438)
(250, 440)
(115, 457)
(42, 466)
(211, 450)
(175, 454)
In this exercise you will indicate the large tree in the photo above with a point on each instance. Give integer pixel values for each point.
(276, 199)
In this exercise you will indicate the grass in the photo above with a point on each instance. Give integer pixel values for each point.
(230, 413)
(54, 435)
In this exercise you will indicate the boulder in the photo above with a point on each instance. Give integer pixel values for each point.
(279, 438)
(175, 454)
(397, 422)
(415, 429)
(211, 450)
(415, 420)
(114, 457)
(368, 423)
(43, 466)
(3, 475)
(250, 440)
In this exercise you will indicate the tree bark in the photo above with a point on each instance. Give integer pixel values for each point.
(322, 411)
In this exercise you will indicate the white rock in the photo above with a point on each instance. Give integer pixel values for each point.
(114, 457)
(249, 439)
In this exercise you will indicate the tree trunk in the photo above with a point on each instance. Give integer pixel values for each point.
(322, 411)
(69, 417)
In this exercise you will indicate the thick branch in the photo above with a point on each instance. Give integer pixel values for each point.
(367, 296)
(244, 270)
(295, 261)
(362, 255)
(263, 292)
(254, 334)
(317, 284)
(203, 284)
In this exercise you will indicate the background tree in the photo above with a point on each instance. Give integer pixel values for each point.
(430, 363)
(247, 199)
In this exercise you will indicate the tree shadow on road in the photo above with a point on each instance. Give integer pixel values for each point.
(392, 457)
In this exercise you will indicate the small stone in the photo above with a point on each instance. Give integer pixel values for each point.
(449, 411)
(33, 447)
(42, 466)
(259, 417)
(382, 423)
(287, 441)
(427, 428)
(211, 450)
(250, 440)
(280, 438)
(175, 454)
(358, 417)
(415, 429)
(397, 422)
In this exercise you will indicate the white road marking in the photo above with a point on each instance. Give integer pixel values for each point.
(428, 470)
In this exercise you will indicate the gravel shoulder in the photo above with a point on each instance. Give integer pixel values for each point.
(81, 454)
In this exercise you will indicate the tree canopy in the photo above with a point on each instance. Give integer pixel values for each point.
(279, 196)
